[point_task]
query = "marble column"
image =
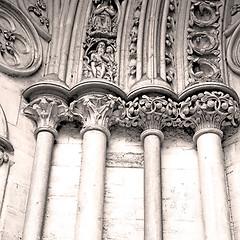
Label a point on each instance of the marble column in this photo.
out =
(207, 112)
(94, 111)
(5, 165)
(152, 113)
(213, 184)
(152, 139)
(47, 112)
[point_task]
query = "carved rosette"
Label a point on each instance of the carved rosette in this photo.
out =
(147, 112)
(47, 112)
(211, 110)
(97, 110)
(203, 44)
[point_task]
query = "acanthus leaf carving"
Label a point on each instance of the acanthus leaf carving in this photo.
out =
(209, 110)
(97, 109)
(47, 112)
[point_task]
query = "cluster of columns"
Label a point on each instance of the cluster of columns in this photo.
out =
(152, 114)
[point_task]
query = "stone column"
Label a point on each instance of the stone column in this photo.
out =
(47, 112)
(4, 172)
(207, 113)
(94, 111)
(152, 114)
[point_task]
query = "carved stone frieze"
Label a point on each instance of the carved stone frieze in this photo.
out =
(20, 47)
(209, 110)
(149, 112)
(169, 41)
(97, 109)
(47, 112)
(100, 44)
(203, 42)
(133, 40)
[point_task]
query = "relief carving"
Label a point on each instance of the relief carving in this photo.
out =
(209, 110)
(96, 109)
(37, 12)
(4, 158)
(149, 112)
(38, 9)
(133, 40)
(169, 41)
(233, 50)
(100, 45)
(20, 48)
(47, 112)
(203, 44)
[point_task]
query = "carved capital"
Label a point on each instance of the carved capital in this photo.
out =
(47, 112)
(150, 112)
(96, 110)
(4, 158)
(212, 110)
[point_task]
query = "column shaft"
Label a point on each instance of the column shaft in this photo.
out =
(152, 188)
(4, 172)
(91, 187)
(38, 188)
(213, 187)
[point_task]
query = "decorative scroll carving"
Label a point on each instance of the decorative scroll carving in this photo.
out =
(36, 10)
(149, 112)
(133, 40)
(235, 9)
(97, 109)
(203, 43)
(233, 49)
(209, 110)
(47, 112)
(20, 48)
(100, 45)
(169, 52)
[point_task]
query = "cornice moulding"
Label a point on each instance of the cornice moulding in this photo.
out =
(55, 87)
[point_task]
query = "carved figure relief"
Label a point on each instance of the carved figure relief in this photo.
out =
(20, 48)
(100, 45)
(203, 43)
(133, 40)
